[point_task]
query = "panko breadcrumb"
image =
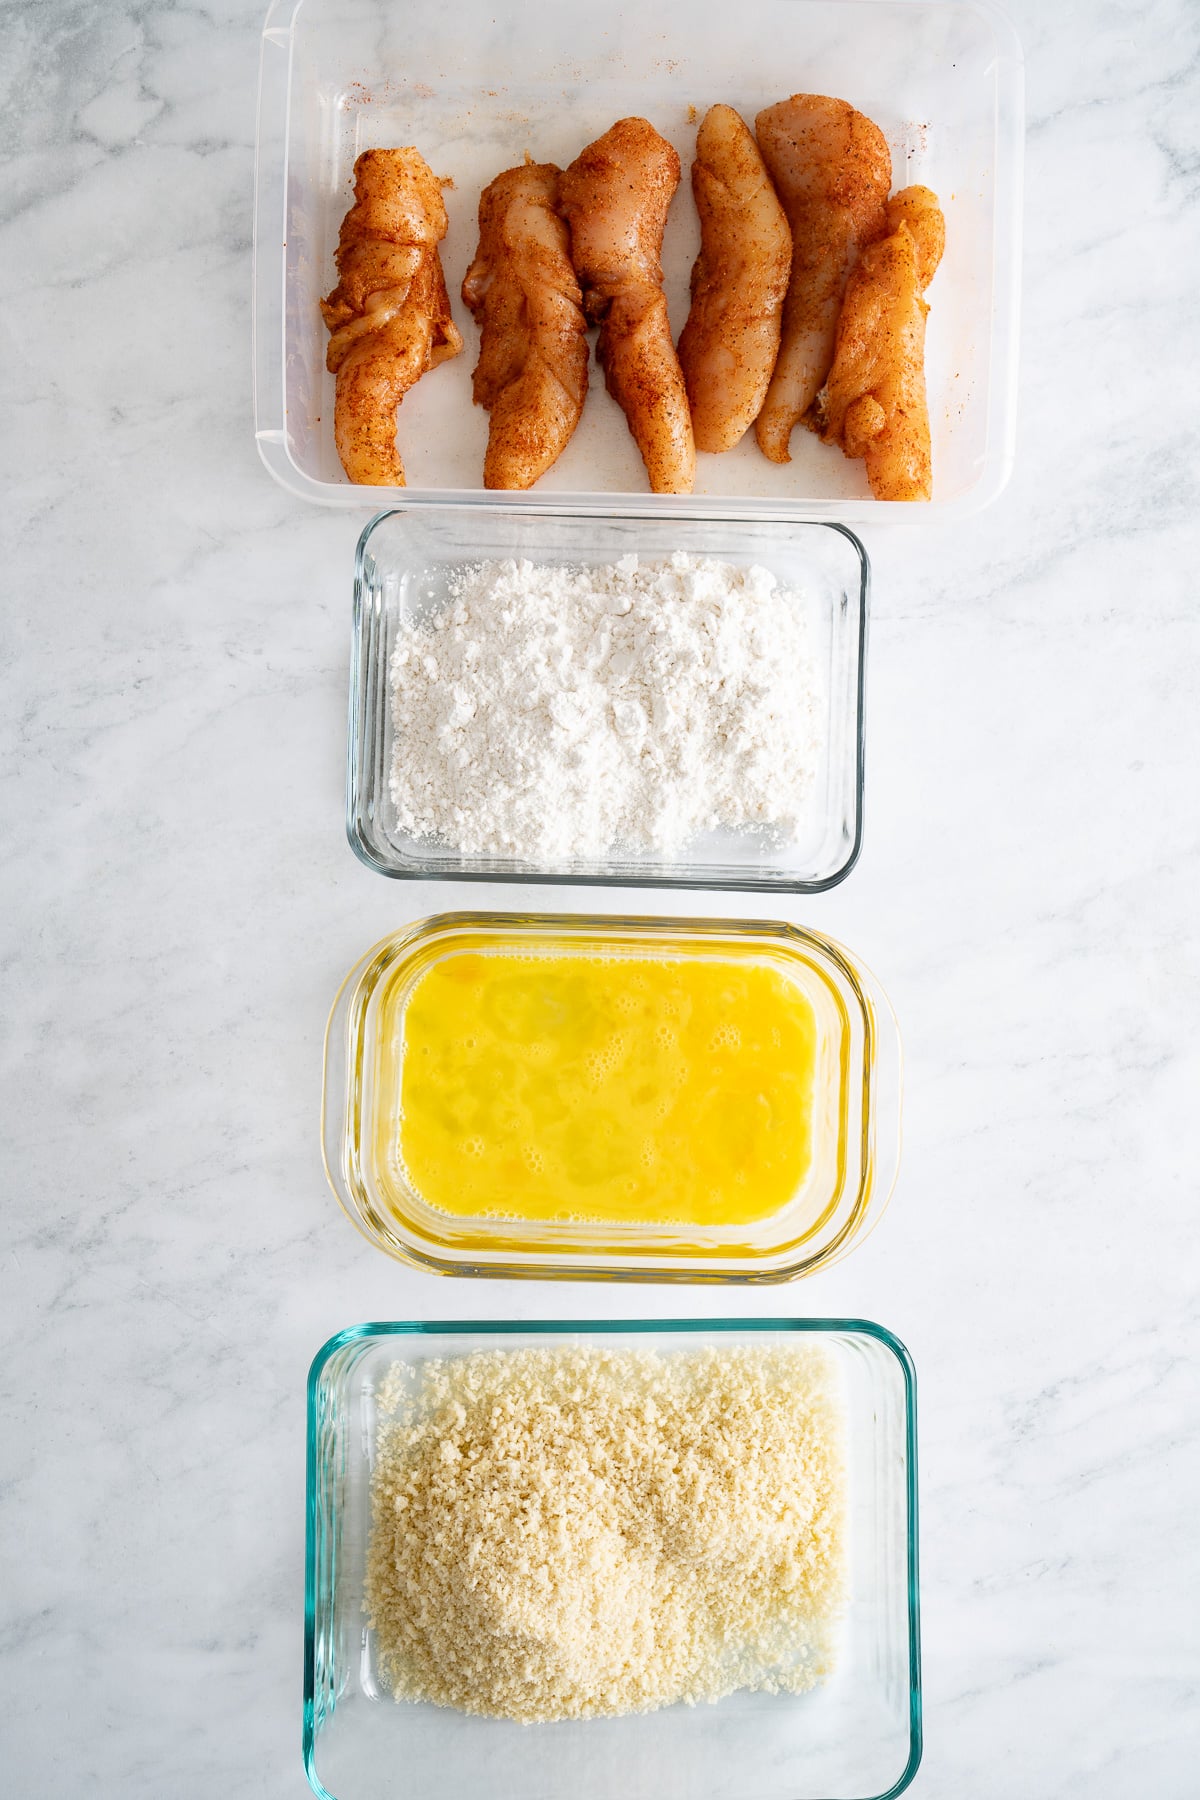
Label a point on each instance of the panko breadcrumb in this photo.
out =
(570, 1533)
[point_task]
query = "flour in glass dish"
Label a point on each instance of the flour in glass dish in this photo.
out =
(556, 713)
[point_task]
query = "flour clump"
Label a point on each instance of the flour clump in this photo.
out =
(555, 713)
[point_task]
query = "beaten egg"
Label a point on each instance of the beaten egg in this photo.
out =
(583, 1086)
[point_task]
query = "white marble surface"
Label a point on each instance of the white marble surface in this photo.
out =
(179, 906)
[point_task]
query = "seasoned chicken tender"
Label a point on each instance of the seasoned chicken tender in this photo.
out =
(832, 169)
(731, 339)
(532, 371)
(874, 402)
(918, 208)
(389, 313)
(615, 197)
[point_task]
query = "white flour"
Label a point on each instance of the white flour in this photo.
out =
(554, 713)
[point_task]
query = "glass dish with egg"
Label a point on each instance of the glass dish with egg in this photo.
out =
(570, 1096)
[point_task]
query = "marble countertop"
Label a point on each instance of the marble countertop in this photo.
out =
(179, 906)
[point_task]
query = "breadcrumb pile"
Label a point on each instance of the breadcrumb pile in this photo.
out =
(571, 1533)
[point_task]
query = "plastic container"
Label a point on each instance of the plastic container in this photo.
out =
(857, 1737)
(474, 87)
(403, 561)
(853, 1109)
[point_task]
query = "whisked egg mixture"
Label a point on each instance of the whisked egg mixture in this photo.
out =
(628, 1089)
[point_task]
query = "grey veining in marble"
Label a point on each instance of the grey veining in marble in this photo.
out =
(178, 906)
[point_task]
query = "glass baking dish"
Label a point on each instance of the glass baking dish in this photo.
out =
(475, 86)
(404, 560)
(856, 1737)
(852, 1119)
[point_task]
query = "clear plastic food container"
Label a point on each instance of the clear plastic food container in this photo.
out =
(474, 87)
(404, 560)
(857, 1736)
(777, 1096)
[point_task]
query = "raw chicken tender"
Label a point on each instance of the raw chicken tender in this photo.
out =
(919, 210)
(532, 372)
(731, 339)
(832, 169)
(874, 402)
(615, 197)
(389, 313)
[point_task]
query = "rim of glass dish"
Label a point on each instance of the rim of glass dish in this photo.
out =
(861, 980)
(570, 878)
(385, 1328)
